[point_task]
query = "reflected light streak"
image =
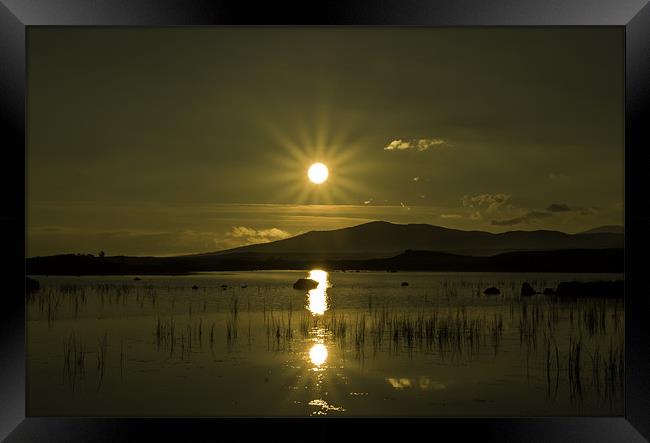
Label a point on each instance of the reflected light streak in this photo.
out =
(317, 297)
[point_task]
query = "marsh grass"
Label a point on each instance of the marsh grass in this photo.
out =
(122, 359)
(574, 345)
(279, 332)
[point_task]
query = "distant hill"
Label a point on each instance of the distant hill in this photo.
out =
(609, 229)
(375, 245)
(383, 239)
(572, 260)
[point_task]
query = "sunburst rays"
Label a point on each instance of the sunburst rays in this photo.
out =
(295, 147)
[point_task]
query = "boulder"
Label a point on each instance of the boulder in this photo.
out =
(305, 284)
(492, 291)
(527, 290)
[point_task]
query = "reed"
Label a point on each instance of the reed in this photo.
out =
(122, 359)
(563, 341)
(102, 349)
(74, 359)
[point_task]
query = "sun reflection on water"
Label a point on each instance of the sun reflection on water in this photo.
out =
(317, 304)
(317, 297)
(318, 354)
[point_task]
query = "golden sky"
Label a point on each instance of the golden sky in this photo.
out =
(163, 141)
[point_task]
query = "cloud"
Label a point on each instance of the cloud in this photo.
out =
(558, 207)
(484, 199)
(420, 144)
(561, 207)
(492, 201)
(526, 218)
(248, 235)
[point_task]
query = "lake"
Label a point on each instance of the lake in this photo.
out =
(360, 344)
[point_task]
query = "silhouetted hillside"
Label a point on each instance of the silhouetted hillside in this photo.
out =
(375, 245)
(573, 260)
(383, 239)
(579, 260)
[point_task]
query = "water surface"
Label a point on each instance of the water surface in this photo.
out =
(361, 343)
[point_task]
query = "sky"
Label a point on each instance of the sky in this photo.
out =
(164, 141)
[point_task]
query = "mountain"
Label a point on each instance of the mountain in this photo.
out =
(375, 245)
(383, 239)
(609, 229)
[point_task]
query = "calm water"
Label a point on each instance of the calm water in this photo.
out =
(248, 344)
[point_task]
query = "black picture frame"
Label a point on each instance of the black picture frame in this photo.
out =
(633, 15)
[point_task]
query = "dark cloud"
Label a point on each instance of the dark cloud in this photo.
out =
(558, 207)
(526, 218)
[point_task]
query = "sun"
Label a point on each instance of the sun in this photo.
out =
(318, 173)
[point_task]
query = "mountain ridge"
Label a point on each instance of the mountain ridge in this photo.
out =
(384, 238)
(611, 229)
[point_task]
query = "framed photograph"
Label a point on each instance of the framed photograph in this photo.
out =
(428, 213)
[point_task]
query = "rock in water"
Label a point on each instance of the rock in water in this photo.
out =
(527, 289)
(405, 283)
(137, 279)
(549, 291)
(195, 287)
(492, 291)
(31, 285)
(305, 284)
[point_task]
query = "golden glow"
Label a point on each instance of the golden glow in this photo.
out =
(317, 297)
(318, 354)
(425, 383)
(318, 173)
(314, 137)
(399, 383)
(324, 407)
